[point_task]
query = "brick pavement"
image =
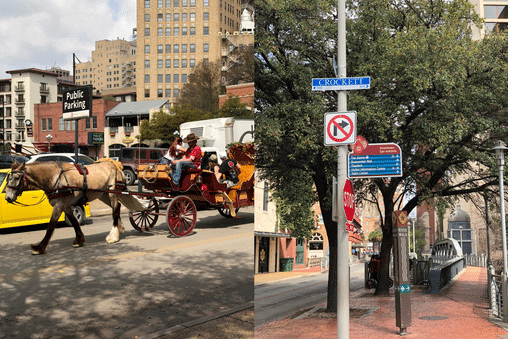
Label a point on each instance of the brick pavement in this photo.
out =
(459, 311)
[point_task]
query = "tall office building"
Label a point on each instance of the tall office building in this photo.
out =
(113, 66)
(495, 13)
(176, 35)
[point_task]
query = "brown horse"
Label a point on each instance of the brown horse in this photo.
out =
(65, 185)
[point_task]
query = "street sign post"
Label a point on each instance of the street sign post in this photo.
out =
(401, 271)
(340, 84)
(376, 160)
(340, 128)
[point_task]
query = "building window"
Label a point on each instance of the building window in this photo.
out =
(168, 48)
(193, 31)
(160, 3)
(193, 3)
(176, 17)
(184, 30)
(193, 17)
(206, 16)
(168, 93)
(50, 124)
(205, 3)
(184, 63)
(168, 78)
(316, 243)
(184, 78)
(176, 48)
(160, 31)
(168, 3)
(160, 63)
(184, 3)
(43, 124)
(168, 63)
(184, 48)
(147, 63)
(160, 17)
(147, 93)
(168, 31)
(205, 48)
(176, 78)
(205, 30)
(147, 3)
(147, 78)
(147, 31)
(184, 16)
(147, 49)
(176, 3)
(176, 31)
(160, 49)
(147, 17)
(176, 93)
(160, 78)
(61, 126)
(265, 197)
(193, 48)
(159, 93)
(192, 63)
(176, 63)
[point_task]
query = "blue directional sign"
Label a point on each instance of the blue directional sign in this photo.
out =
(340, 84)
(377, 160)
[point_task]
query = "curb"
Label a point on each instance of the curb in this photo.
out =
(199, 321)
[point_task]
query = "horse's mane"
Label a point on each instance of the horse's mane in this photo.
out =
(117, 163)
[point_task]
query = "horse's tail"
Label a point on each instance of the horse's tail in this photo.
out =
(131, 202)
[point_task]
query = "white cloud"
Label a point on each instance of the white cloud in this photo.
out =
(44, 33)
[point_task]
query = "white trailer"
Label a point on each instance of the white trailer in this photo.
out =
(220, 132)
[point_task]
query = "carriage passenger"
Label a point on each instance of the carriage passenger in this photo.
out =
(175, 151)
(229, 168)
(191, 158)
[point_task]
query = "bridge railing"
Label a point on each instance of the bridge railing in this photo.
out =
(495, 294)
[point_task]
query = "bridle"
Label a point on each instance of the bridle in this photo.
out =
(23, 180)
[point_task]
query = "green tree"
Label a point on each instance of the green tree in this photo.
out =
(376, 236)
(234, 108)
(436, 93)
(163, 125)
(203, 87)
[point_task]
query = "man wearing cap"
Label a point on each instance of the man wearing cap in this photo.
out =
(191, 158)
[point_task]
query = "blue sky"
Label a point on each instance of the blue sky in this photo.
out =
(45, 33)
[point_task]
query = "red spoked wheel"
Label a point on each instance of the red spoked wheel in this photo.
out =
(144, 221)
(181, 215)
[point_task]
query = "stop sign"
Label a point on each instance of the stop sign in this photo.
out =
(348, 200)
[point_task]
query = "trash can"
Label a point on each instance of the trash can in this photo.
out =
(286, 264)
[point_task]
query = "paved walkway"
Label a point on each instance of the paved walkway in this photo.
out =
(459, 311)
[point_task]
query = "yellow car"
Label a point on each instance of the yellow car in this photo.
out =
(38, 210)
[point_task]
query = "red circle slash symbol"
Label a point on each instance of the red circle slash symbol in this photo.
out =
(338, 129)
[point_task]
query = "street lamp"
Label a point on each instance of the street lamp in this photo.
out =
(461, 247)
(499, 149)
(49, 138)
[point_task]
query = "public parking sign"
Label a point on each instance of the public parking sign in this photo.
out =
(77, 102)
(340, 128)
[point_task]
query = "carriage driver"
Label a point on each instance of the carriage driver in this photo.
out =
(191, 158)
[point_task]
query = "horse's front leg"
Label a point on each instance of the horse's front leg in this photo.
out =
(80, 237)
(41, 247)
(114, 235)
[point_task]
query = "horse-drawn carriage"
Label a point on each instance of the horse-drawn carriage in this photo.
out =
(199, 188)
(66, 184)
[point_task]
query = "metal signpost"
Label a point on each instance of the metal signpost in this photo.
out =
(340, 132)
(401, 265)
(77, 104)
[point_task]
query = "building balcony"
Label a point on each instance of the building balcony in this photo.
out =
(19, 113)
(44, 90)
(19, 88)
(20, 101)
(20, 126)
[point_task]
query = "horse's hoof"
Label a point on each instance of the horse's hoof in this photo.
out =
(36, 253)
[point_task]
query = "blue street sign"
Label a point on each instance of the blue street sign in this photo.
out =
(377, 160)
(340, 84)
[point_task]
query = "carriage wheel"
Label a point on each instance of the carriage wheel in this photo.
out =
(226, 212)
(145, 220)
(181, 216)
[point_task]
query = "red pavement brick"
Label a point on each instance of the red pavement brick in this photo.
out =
(460, 311)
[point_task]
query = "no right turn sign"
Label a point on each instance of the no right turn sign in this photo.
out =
(340, 128)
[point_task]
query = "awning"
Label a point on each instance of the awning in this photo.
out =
(272, 235)
(357, 246)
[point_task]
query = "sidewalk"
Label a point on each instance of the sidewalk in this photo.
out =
(459, 311)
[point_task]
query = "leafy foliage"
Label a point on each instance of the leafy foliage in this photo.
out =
(203, 88)
(234, 108)
(434, 91)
